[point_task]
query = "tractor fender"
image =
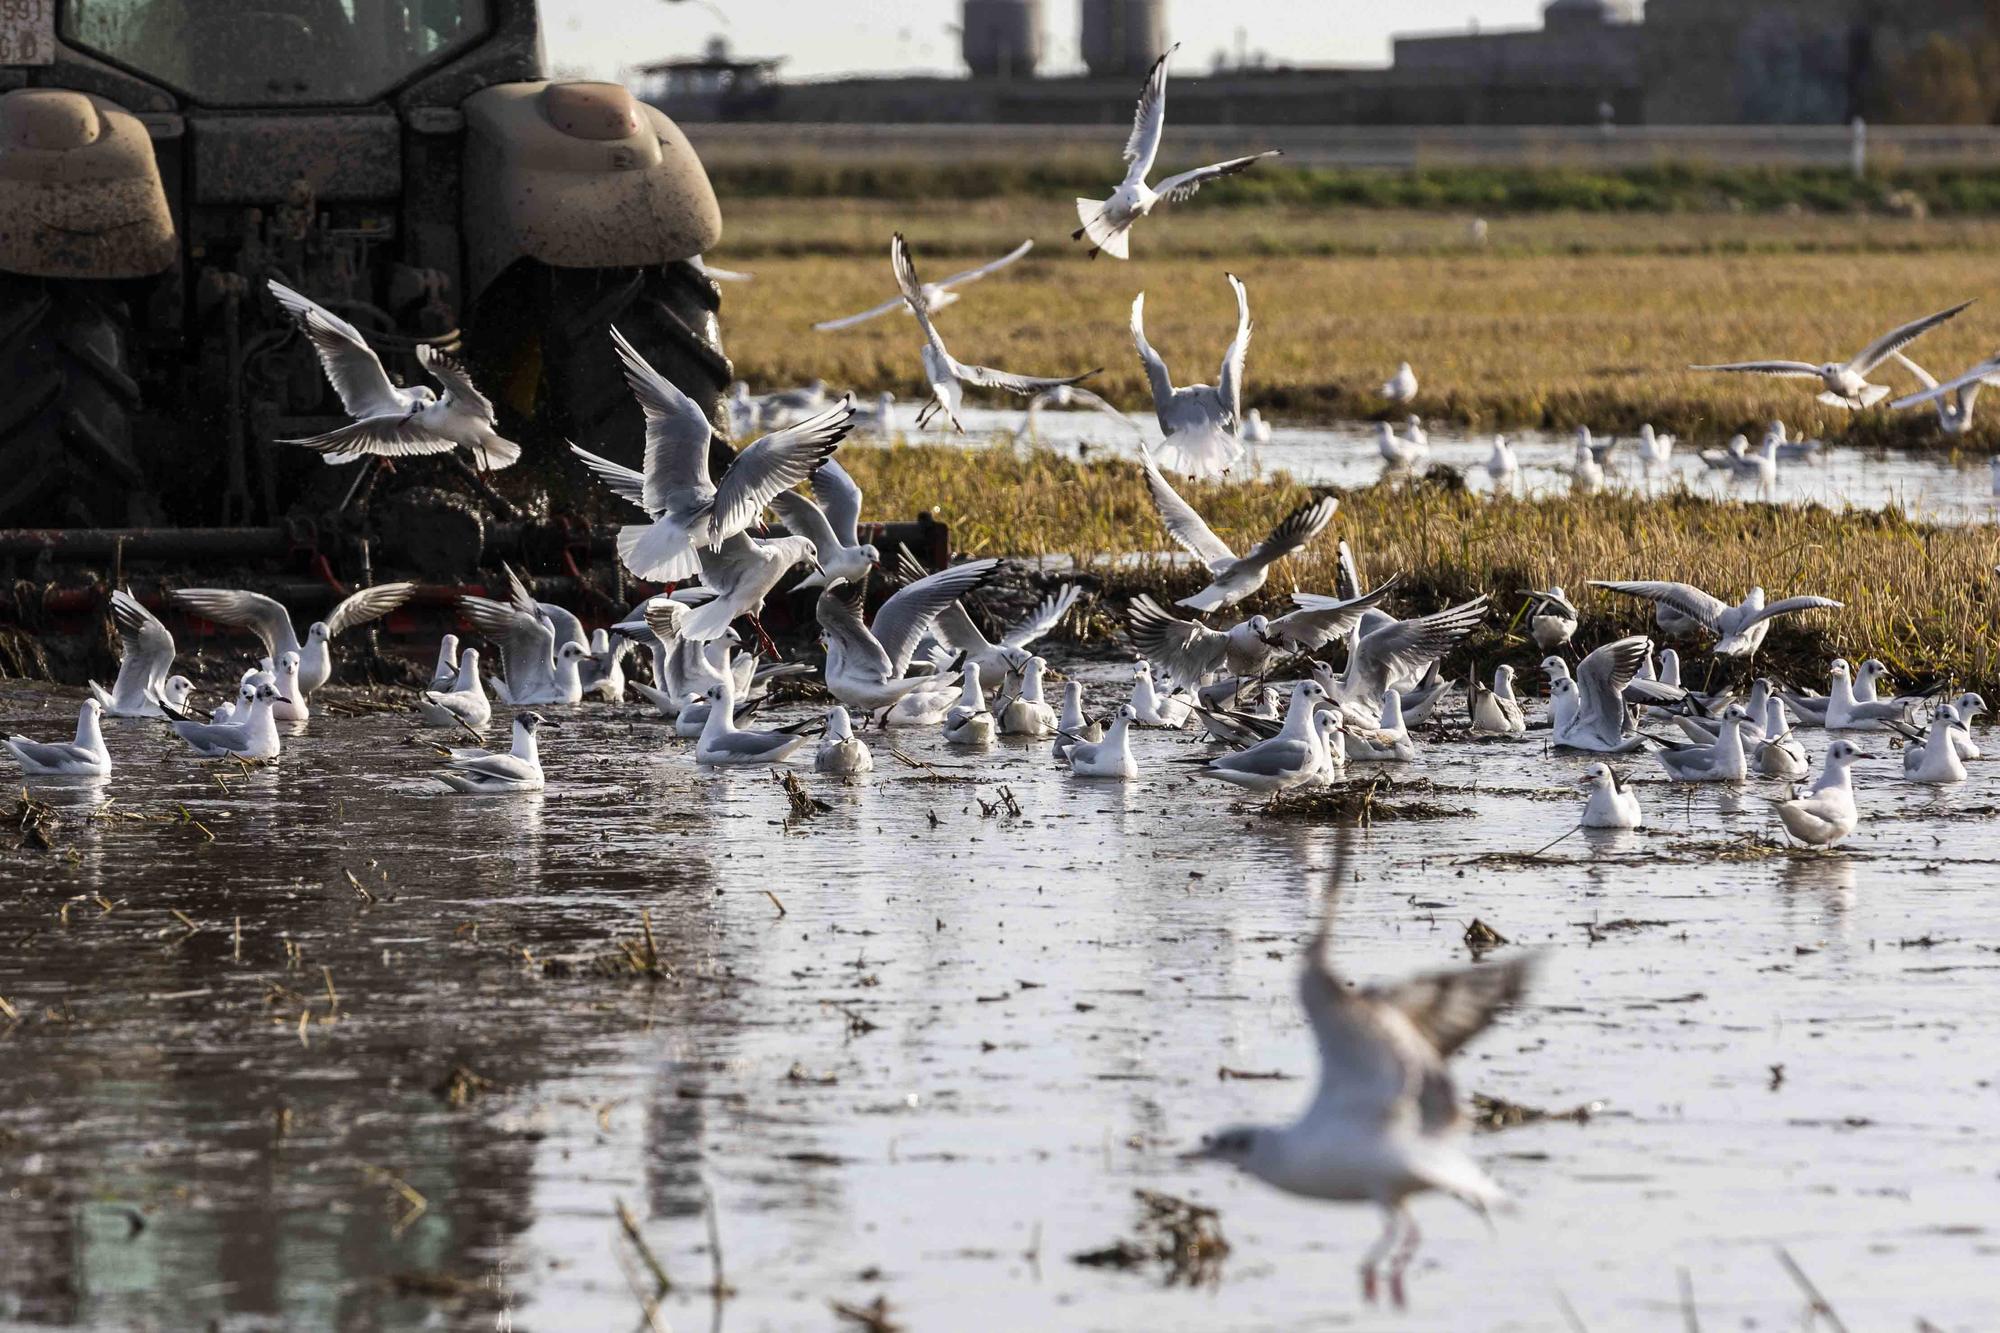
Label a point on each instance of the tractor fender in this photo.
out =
(80, 193)
(579, 175)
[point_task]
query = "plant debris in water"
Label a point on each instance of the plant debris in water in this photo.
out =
(1360, 802)
(1496, 1113)
(1479, 937)
(33, 824)
(1184, 1239)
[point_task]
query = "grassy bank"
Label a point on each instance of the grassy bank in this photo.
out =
(1924, 599)
(1557, 321)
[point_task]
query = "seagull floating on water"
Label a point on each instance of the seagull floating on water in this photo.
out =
(970, 721)
(1611, 803)
(1110, 757)
(480, 772)
(85, 757)
(464, 704)
(841, 753)
(252, 733)
(1826, 814)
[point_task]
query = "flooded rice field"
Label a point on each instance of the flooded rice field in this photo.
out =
(320, 1046)
(1935, 487)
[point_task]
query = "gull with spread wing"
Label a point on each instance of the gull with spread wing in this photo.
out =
(1587, 712)
(1385, 1122)
(947, 375)
(1202, 423)
(1739, 630)
(1232, 577)
(832, 519)
(691, 511)
(390, 422)
(1188, 652)
(1845, 383)
(1955, 400)
(272, 624)
(937, 295)
(146, 655)
(538, 662)
(1108, 222)
(868, 666)
(1384, 653)
(957, 633)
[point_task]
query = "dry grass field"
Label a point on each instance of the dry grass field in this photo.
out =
(1924, 599)
(1558, 320)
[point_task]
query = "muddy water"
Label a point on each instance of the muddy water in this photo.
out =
(1938, 487)
(940, 1062)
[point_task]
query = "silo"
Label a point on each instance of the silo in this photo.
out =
(1122, 37)
(1003, 38)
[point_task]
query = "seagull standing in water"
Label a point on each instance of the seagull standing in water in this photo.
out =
(1845, 383)
(1202, 423)
(272, 624)
(937, 295)
(146, 654)
(84, 757)
(390, 422)
(1385, 1123)
(947, 375)
(1108, 222)
(1396, 451)
(1232, 577)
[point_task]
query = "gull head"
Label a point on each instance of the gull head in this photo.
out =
(572, 652)
(178, 688)
(1947, 714)
(1555, 668)
(318, 633)
(1597, 776)
(1840, 670)
(93, 707)
(1142, 670)
(531, 722)
(288, 664)
(1564, 688)
(1128, 713)
(266, 690)
(873, 556)
(1504, 672)
(1844, 753)
(839, 727)
(1969, 705)
(1312, 689)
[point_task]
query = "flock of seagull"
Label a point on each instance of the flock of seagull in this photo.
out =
(1263, 691)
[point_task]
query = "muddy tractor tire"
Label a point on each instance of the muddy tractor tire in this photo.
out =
(66, 455)
(550, 328)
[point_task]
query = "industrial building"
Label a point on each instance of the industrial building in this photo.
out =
(1674, 62)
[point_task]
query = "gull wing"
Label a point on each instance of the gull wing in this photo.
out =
(1540, 597)
(803, 518)
(1229, 380)
(1407, 647)
(1176, 188)
(1182, 523)
(145, 644)
(527, 642)
(1444, 1010)
(677, 433)
(1924, 377)
(913, 293)
(1044, 618)
(246, 610)
(1682, 597)
(1368, 1069)
(1785, 606)
(1185, 650)
(986, 377)
(1293, 531)
(1977, 375)
(366, 605)
(839, 614)
(397, 436)
(622, 481)
(840, 499)
(1149, 120)
(663, 617)
(1156, 369)
(350, 364)
(1315, 627)
(1784, 369)
(956, 630)
(993, 266)
(849, 321)
(913, 609)
(446, 370)
(502, 767)
(778, 462)
(1895, 340)
(1601, 679)
(1348, 581)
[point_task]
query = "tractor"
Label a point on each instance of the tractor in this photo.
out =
(405, 163)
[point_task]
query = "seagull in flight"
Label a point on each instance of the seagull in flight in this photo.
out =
(1955, 400)
(937, 295)
(1108, 222)
(692, 511)
(272, 624)
(1385, 1122)
(945, 374)
(391, 422)
(868, 666)
(831, 519)
(1739, 629)
(1203, 423)
(1845, 383)
(1232, 577)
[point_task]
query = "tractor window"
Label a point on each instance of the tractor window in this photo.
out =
(275, 52)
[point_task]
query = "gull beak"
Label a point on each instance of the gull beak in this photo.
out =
(552, 724)
(1205, 1153)
(1860, 754)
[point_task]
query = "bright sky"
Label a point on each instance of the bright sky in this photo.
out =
(600, 37)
